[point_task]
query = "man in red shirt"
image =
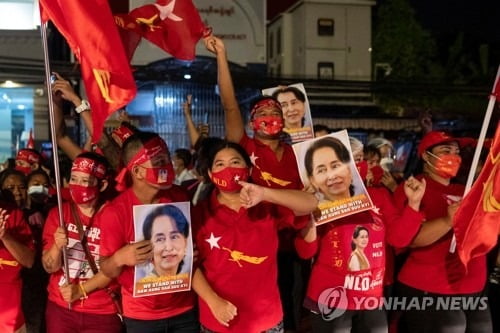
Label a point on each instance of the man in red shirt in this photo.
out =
(430, 269)
(274, 166)
(150, 174)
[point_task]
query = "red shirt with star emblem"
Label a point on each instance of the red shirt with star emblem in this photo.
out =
(341, 267)
(117, 230)
(238, 255)
(267, 170)
(433, 268)
(11, 315)
(99, 301)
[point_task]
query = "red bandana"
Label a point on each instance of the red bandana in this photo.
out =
(265, 103)
(28, 156)
(90, 167)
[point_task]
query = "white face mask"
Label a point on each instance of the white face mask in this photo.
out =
(38, 189)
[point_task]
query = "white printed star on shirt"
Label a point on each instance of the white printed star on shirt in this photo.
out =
(213, 241)
(253, 158)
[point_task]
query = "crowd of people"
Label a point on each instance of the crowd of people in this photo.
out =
(260, 263)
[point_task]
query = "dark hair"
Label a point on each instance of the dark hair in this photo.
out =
(11, 172)
(171, 211)
(330, 142)
(134, 143)
(371, 151)
(294, 90)
(320, 127)
(35, 173)
(207, 156)
(185, 156)
(356, 233)
(110, 149)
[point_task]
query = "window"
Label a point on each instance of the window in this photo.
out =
(326, 27)
(19, 15)
(325, 70)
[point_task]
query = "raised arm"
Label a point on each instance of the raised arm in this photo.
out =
(191, 128)
(62, 90)
(235, 127)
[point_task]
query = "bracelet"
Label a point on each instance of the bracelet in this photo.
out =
(84, 293)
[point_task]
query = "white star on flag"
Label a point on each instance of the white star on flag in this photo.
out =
(167, 11)
(376, 210)
(253, 158)
(213, 241)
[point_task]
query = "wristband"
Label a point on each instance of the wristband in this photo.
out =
(85, 106)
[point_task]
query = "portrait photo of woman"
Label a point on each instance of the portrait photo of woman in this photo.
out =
(358, 260)
(328, 170)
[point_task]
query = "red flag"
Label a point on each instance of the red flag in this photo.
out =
(91, 32)
(31, 141)
(174, 26)
(477, 221)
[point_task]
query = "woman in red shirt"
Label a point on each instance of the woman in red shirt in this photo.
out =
(237, 237)
(92, 308)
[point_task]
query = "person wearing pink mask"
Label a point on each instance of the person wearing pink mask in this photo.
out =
(147, 178)
(92, 307)
(273, 166)
(237, 237)
(431, 271)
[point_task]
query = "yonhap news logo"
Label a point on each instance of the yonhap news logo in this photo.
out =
(333, 302)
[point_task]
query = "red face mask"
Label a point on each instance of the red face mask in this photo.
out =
(377, 173)
(272, 124)
(227, 179)
(446, 166)
(162, 176)
(83, 194)
(25, 170)
(362, 169)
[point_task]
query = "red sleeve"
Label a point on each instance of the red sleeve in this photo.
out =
(51, 224)
(399, 197)
(287, 219)
(401, 225)
(112, 231)
(304, 249)
(19, 229)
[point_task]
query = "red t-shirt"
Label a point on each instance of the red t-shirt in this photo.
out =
(11, 315)
(238, 255)
(339, 262)
(99, 301)
(433, 268)
(117, 227)
(268, 171)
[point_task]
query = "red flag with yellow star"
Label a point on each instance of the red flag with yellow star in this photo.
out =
(91, 32)
(477, 221)
(174, 26)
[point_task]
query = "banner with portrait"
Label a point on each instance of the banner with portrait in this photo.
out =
(296, 111)
(327, 169)
(168, 226)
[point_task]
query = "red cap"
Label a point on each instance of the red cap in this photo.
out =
(434, 138)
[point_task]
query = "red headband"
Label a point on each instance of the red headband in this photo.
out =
(150, 149)
(123, 133)
(89, 166)
(265, 103)
(28, 156)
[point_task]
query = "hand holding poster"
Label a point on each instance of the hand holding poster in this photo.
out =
(327, 168)
(296, 111)
(169, 229)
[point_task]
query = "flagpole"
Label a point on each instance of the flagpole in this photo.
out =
(479, 147)
(57, 175)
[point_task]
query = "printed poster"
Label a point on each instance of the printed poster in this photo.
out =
(168, 226)
(296, 111)
(327, 169)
